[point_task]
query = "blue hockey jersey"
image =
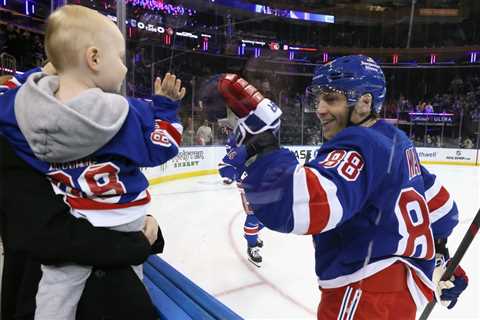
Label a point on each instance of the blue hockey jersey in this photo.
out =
(228, 172)
(99, 176)
(17, 80)
(443, 209)
(363, 200)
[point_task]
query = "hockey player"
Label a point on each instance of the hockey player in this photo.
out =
(362, 198)
(88, 140)
(252, 226)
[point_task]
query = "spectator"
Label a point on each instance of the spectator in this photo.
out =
(13, 41)
(38, 51)
(188, 133)
(468, 144)
(204, 134)
(428, 108)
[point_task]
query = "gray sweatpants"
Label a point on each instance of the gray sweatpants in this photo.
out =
(61, 287)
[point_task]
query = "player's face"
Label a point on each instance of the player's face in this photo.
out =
(332, 110)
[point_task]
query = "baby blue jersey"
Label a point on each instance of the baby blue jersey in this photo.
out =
(110, 179)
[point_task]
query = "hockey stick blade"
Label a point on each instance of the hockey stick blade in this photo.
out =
(455, 261)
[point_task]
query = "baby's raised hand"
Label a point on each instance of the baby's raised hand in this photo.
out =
(169, 87)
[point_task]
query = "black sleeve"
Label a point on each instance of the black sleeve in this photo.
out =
(115, 294)
(37, 221)
(157, 246)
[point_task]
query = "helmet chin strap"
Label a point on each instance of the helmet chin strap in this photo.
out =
(350, 123)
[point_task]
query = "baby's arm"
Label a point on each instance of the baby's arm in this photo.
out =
(152, 133)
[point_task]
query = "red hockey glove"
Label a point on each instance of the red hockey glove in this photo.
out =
(256, 113)
(240, 96)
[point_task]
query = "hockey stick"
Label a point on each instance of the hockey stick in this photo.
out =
(462, 248)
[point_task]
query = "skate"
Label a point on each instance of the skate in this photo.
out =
(254, 256)
(260, 243)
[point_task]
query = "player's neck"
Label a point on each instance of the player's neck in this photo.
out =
(370, 122)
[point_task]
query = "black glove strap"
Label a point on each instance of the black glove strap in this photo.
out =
(261, 144)
(441, 248)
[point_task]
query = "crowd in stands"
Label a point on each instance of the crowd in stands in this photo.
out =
(462, 99)
(24, 45)
(461, 96)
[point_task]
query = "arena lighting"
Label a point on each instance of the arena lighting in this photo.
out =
(167, 39)
(291, 55)
(325, 57)
(186, 34)
(140, 25)
(433, 58)
(160, 6)
(241, 50)
(284, 13)
(253, 42)
(274, 46)
(205, 44)
(304, 49)
(26, 8)
(257, 52)
(395, 59)
(473, 57)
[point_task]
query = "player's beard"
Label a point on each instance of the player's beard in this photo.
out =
(334, 125)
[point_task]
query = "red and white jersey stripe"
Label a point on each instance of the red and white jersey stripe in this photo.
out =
(316, 207)
(439, 201)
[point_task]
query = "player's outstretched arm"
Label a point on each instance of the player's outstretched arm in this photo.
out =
(258, 118)
(286, 196)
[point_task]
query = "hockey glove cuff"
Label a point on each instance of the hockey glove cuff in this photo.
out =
(448, 291)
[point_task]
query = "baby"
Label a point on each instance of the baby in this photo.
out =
(87, 139)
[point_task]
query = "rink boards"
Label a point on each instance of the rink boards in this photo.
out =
(199, 161)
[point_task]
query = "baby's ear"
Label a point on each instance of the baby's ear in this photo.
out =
(92, 58)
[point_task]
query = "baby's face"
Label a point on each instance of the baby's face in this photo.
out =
(112, 70)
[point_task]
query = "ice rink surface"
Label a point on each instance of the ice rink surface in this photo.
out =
(202, 221)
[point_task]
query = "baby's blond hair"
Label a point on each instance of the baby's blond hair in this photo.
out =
(70, 30)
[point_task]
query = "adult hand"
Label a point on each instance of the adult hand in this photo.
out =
(150, 229)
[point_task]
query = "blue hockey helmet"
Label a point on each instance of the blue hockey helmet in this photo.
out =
(352, 76)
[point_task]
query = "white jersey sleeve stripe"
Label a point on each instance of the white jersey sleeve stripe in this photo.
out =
(301, 199)
(433, 190)
(442, 211)
(315, 207)
(336, 209)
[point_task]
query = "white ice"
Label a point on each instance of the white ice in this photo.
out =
(202, 221)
